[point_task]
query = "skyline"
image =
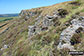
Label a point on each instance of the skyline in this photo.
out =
(15, 6)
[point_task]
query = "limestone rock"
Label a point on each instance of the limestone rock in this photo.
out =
(32, 30)
(27, 14)
(48, 21)
(67, 34)
(38, 20)
(71, 48)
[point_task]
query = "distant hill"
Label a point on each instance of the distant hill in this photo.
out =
(8, 15)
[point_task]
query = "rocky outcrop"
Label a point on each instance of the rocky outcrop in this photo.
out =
(26, 14)
(67, 34)
(33, 30)
(38, 20)
(46, 22)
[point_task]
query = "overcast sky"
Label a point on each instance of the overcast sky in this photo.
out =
(15, 6)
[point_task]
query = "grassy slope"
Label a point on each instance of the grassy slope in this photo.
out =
(39, 45)
(5, 23)
(2, 18)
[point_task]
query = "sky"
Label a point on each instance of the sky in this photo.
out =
(15, 6)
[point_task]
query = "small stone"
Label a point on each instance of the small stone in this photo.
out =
(5, 46)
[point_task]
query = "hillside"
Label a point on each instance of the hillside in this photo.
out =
(8, 15)
(45, 31)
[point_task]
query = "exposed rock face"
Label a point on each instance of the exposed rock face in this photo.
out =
(32, 30)
(26, 14)
(23, 13)
(48, 21)
(66, 34)
(35, 28)
(68, 46)
(38, 20)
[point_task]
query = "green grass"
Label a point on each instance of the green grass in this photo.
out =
(74, 7)
(6, 18)
(82, 10)
(1, 18)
